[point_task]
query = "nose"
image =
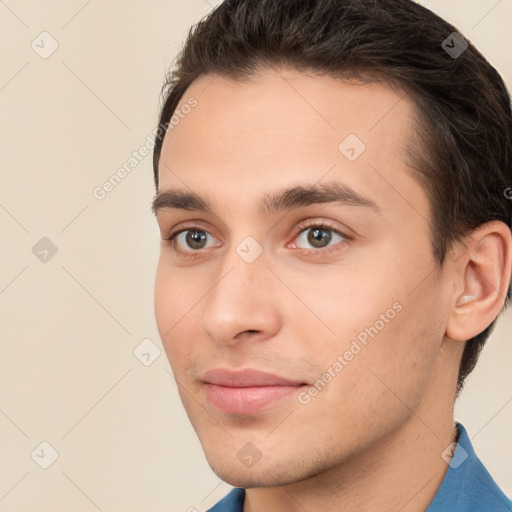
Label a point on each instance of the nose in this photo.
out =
(242, 305)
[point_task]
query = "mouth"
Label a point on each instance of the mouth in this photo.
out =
(247, 391)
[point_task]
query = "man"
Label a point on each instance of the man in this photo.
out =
(331, 193)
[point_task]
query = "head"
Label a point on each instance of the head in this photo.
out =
(368, 168)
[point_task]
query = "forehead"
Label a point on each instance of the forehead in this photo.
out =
(270, 100)
(247, 136)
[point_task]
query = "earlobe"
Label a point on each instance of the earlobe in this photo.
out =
(481, 279)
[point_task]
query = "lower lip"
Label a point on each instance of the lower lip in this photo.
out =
(246, 400)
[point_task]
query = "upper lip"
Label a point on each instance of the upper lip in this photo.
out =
(246, 378)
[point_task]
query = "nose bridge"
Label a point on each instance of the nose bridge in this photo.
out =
(238, 300)
(244, 264)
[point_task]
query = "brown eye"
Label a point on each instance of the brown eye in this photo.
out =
(195, 238)
(319, 237)
(191, 241)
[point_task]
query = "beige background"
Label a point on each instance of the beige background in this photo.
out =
(68, 375)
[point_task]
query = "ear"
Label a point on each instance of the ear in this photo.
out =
(481, 280)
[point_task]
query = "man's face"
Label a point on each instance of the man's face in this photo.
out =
(339, 301)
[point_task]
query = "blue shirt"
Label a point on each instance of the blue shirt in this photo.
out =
(467, 486)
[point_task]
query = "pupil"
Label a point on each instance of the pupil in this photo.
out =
(194, 238)
(317, 236)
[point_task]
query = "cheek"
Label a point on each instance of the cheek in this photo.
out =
(379, 380)
(342, 303)
(163, 301)
(397, 358)
(173, 304)
(175, 296)
(371, 318)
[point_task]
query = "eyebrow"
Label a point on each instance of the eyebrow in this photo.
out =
(285, 199)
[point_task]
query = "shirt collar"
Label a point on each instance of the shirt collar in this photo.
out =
(467, 486)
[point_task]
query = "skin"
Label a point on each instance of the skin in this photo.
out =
(372, 439)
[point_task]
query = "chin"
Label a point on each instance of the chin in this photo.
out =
(249, 478)
(265, 473)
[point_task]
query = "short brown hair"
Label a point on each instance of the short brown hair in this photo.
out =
(463, 153)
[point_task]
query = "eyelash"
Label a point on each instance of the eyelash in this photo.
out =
(304, 226)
